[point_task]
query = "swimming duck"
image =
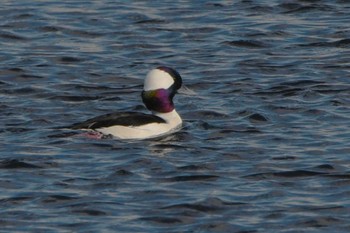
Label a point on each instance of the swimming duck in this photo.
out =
(160, 86)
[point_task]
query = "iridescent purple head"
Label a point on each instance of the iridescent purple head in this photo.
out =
(159, 89)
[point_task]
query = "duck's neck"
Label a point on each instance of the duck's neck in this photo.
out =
(160, 100)
(170, 117)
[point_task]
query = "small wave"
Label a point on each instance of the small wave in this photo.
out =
(12, 36)
(343, 43)
(162, 220)
(207, 205)
(191, 178)
(246, 43)
(17, 164)
(286, 174)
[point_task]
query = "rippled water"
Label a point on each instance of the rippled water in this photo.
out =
(265, 146)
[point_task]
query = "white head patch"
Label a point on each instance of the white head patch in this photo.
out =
(157, 79)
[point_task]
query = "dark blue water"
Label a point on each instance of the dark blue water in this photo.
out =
(266, 141)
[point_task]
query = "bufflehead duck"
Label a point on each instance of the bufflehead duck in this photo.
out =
(160, 86)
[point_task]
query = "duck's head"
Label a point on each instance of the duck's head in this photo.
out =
(161, 84)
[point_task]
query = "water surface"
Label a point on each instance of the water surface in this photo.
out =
(265, 144)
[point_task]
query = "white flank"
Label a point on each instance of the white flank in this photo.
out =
(173, 122)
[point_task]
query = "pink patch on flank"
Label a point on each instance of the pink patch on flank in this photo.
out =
(91, 135)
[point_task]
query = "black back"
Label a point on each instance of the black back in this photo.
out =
(120, 118)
